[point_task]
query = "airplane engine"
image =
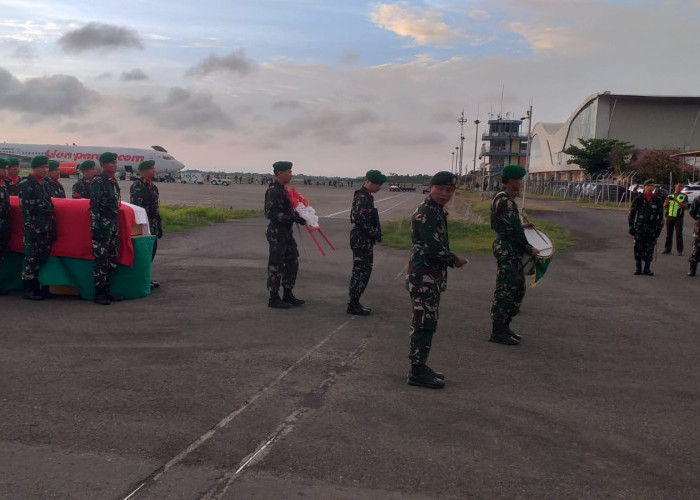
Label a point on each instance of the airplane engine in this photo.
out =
(67, 168)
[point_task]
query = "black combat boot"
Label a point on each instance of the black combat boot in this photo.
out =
(289, 298)
(101, 296)
(276, 302)
(500, 335)
(435, 374)
(31, 290)
(511, 332)
(422, 376)
(647, 270)
(111, 297)
(3, 292)
(638, 269)
(44, 290)
(354, 307)
(693, 269)
(155, 284)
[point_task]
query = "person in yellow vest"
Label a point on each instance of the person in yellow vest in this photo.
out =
(675, 205)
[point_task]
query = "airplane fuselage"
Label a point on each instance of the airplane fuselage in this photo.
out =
(128, 159)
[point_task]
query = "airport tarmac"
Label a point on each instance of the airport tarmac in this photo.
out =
(201, 391)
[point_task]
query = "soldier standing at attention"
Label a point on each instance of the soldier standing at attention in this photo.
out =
(52, 185)
(695, 254)
(509, 247)
(674, 207)
(38, 224)
(363, 236)
(427, 276)
(646, 220)
(104, 223)
(12, 181)
(81, 188)
(145, 194)
(283, 263)
(4, 215)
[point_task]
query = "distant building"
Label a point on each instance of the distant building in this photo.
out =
(506, 144)
(646, 122)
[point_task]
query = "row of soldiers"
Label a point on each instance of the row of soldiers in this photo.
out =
(39, 226)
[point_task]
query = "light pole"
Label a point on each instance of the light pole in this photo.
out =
(461, 122)
(452, 165)
(529, 146)
(476, 139)
(456, 153)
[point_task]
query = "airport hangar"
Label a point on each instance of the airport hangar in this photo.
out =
(666, 123)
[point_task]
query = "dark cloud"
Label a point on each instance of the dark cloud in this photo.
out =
(48, 95)
(287, 104)
(134, 75)
(96, 36)
(329, 125)
(23, 52)
(186, 110)
(236, 62)
(104, 76)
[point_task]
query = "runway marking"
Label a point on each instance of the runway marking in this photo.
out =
(158, 473)
(378, 201)
(287, 426)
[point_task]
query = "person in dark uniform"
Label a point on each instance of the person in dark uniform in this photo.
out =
(12, 181)
(646, 220)
(509, 246)
(695, 254)
(366, 232)
(144, 193)
(105, 197)
(52, 185)
(674, 207)
(39, 226)
(283, 263)
(427, 276)
(81, 188)
(4, 215)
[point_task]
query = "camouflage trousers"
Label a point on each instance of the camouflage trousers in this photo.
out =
(4, 239)
(362, 261)
(283, 264)
(510, 289)
(426, 306)
(695, 254)
(105, 251)
(36, 253)
(644, 244)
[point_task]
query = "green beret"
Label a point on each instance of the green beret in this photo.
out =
(108, 157)
(12, 161)
(376, 177)
(87, 165)
(145, 165)
(39, 161)
(281, 166)
(513, 172)
(649, 181)
(53, 165)
(444, 178)
(3, 163)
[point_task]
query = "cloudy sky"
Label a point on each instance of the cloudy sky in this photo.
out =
(336, 86)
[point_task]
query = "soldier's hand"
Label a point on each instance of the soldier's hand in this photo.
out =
(378, 238)
(299, 220)
(632, 232)
(460, 261)
(534, 252)
(528, 225)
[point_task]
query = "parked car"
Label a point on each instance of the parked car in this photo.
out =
(691, 191)
(220, 182)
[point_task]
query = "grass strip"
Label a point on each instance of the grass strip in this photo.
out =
(177, 218)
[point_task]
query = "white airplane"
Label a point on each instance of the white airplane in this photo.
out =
(70, 156)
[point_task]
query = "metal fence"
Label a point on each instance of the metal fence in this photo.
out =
(601, 190)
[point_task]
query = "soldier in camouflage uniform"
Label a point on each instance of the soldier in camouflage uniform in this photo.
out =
(39, 226)
(427, 276)
(105, 197)
(52, 186)
(646, 220)
(4, 215)
(12, 181)
(363, 236)
(81, 188)
(695, 253)
(283, 263)
(508, 248)
(145, 194)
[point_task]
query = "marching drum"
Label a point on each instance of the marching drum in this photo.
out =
(541, 242)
